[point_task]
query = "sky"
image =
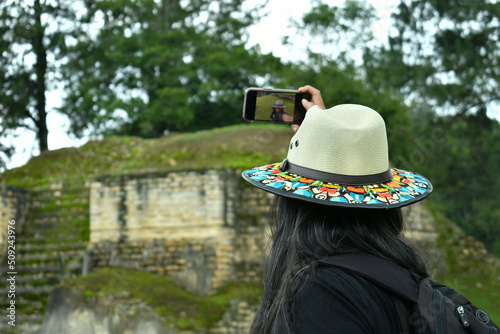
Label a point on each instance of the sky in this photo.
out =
(279, 23)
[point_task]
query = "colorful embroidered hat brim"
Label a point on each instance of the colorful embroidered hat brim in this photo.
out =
(404, 188)
(339, 156)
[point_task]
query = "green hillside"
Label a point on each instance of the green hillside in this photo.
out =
(470, 268)
(472, 271)
(239, 146)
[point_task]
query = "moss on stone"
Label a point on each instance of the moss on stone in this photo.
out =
(179, 307)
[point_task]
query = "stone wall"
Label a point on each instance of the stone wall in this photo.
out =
(203, 228)
(52, 230)
(14, 204)
(420, 228)
(53, 211)
(173, 205)
(181, 224)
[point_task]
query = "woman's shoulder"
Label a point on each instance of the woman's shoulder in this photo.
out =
(333, 298)
(326, 274)
(334, 281)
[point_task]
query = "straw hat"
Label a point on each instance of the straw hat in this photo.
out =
(339, 156)
(279, 104)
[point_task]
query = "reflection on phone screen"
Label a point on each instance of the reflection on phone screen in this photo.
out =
(275, 107)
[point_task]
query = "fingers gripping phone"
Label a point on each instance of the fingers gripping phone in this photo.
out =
(274, 105)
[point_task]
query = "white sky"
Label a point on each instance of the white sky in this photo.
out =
(268, 34)
(270, 30)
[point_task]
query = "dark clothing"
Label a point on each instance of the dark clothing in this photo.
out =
(277, 116)
(334, 301)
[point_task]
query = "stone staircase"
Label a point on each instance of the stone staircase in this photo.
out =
(49, 249)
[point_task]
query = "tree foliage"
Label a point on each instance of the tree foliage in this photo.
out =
(460, 155)
(441, 55)
(33, 37)
(339, 86)
(165, 65)
(445, 56)
(338, 34)
(445, 53)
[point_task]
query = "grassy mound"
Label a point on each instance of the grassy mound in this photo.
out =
(240, 146)
(472, 271)
(176, 305)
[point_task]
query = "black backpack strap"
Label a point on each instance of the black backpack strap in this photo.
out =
(380, 271)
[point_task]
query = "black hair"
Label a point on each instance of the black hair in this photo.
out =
(304, 232)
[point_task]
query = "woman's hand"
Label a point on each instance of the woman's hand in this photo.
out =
(315, 100)
(316, 97)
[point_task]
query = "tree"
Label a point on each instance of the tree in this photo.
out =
(338, 34)
(440, 55)
(339, 86)
(157, 66)
(33, 36)
(444, 53)
(459, 154)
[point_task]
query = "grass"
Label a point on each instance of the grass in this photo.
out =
(472, 271)
(183, 309)
(240, 146)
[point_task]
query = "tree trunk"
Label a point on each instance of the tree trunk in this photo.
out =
(40, 84)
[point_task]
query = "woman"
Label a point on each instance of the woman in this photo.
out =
(336, 193)
(278, 114)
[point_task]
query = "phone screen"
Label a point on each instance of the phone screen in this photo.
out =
(274, 106)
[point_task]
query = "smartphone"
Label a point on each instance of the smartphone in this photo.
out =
(274, 105)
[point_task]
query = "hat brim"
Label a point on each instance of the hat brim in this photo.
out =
(403, 189)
